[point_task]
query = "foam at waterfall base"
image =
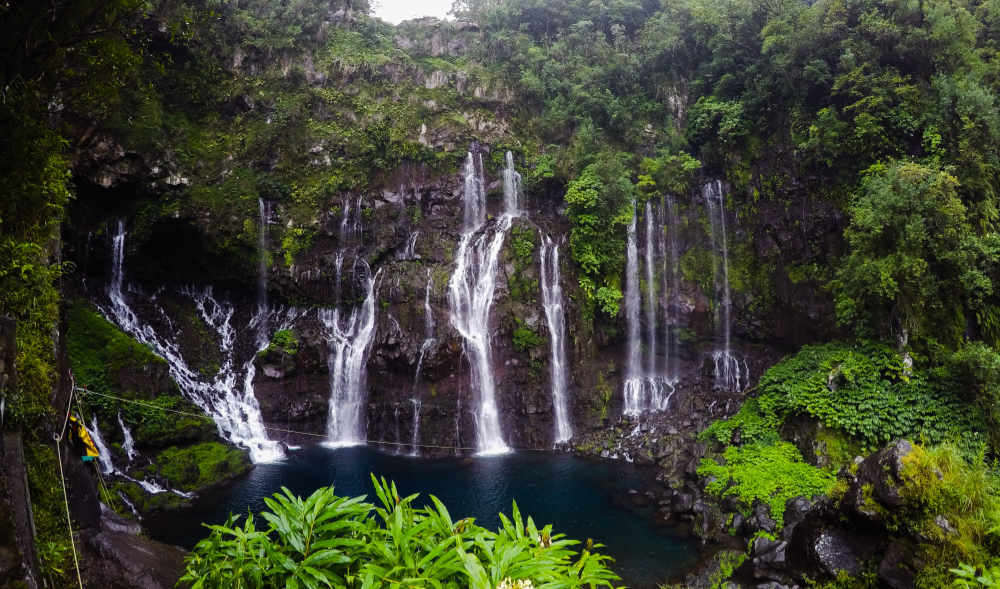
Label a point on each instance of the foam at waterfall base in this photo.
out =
(648, 394)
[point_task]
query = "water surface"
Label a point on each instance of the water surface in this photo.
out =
(581, 498)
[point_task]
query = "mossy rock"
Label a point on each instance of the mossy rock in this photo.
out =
(198, 467)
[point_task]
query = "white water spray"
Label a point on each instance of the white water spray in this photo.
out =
(236, 413)
(646, 387)
(128, 443)
(470, 294)
(349, 339)
(730, 375)
(552, 302)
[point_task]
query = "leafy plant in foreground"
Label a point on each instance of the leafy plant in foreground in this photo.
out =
(337, 542)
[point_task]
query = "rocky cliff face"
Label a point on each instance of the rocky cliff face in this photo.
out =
(402, 231)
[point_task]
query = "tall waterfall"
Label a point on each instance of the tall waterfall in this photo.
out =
(648, 385)
(349, 339)
(671, 282)
(552, 301)
(470, 293)
(264, 212)
(236, 412)
(729, 374)
(424, 347)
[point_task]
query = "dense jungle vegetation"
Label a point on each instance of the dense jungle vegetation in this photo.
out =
(882, 111)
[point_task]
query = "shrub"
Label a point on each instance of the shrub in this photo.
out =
(772, 474)
(864, 390)
(331, 541)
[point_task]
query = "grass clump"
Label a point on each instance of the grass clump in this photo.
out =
(99, 351)
(283, 342)
(769, 473)
(955, 505)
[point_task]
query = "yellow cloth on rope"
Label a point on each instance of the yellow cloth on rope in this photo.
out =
(90, 450)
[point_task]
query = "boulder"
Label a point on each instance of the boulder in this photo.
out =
(898, 568)
(876, 487)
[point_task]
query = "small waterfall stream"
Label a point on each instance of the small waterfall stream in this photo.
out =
(471, 288)
(730, 375)
(552, 302)
(128, 443)
(236, 413)
(349, 339)
(427, 344)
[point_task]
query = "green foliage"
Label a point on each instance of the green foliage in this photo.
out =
(331, 541)
(99, 351)
(526, 338)
(52, 535)
(283, 342)
(769, 473)
(196, 467)
(970, 577)
(600, 209)
(954, 504)
(864, 390)
(522, 283)
(728, 561)
(914, 255)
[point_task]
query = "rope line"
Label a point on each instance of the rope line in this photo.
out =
(292, 431)
(62, 479)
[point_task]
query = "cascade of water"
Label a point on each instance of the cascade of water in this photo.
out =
(552, 302)
(415, 440)
(103, 453)
(729, 374)
(128, 443)
(511, 186)
(633, 370)
(671, 284)
(648, 387)
(428, 312)
(474, 195)
(470, 294)
(409, 250)
(349, 340)
(264, 210)
(236, 415)
(651, 301)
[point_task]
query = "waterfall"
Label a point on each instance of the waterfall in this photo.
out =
(415, 440)
(650, 385)
(552, 302)
(349, 339)
(103, 453)
(729, 374)
(236, 414)
(409, 250)
(264, 210)
(651, 302)
(671, 284)
(511, 185)
(470, 294)
(128, 445)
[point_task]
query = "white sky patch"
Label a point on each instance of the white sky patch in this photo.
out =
(395, 11)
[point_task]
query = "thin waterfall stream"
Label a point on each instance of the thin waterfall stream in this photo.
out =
(730, 375)
(552, 301)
